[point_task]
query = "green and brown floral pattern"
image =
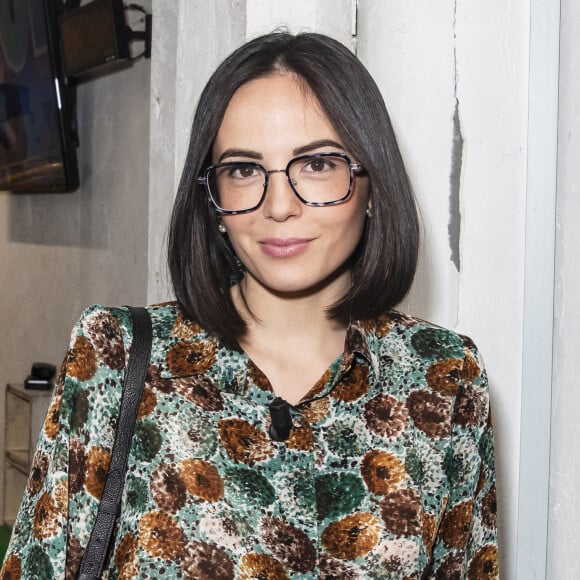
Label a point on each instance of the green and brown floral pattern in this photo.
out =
(388, 471)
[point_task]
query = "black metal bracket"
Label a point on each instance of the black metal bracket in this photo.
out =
(141, 35)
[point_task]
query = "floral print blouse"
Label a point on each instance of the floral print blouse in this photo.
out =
(388, 472)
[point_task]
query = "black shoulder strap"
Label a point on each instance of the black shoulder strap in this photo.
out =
(96, 551)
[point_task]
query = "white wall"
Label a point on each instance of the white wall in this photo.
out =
(564, 539)
(336, 18)
(395, 41)
(190, 38)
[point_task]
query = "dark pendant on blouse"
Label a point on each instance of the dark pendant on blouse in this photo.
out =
(281, 420)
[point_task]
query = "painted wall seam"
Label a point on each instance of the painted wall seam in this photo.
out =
(539, 278)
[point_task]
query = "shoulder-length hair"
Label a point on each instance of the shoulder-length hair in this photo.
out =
(202, 263)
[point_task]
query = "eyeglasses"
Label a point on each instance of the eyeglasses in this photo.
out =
(319, 180)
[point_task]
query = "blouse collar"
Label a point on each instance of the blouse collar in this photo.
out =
(190, 351)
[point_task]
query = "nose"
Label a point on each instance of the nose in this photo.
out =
(281, 203)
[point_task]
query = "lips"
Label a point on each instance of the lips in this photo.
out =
(284, 247)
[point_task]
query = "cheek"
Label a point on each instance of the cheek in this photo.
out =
(354, 222)
(236, 229)
(357, 227)
(353, 229)
(347, 232)
(361, 191)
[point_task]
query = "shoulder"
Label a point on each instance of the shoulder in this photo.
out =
(419, 340)
(105, 335)
(99, 349)
(99, 324)
(431, 368)
(117, 319)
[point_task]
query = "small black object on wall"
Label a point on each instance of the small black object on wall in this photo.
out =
(41, 377)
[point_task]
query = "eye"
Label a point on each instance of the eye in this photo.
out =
(319, 164)
(242, 171)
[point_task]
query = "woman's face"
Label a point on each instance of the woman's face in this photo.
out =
(286, 246)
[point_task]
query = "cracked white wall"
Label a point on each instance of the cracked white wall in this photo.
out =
(331, 17)
(454, 78)
(409, 49)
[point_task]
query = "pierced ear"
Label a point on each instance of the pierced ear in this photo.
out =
(370, 210)
(222, 228)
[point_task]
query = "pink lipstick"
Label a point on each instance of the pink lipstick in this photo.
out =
(284, 247)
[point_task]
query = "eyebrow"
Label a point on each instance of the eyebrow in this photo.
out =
(249, 154)
(317, 145)
(239, 153)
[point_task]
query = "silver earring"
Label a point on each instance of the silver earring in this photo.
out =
(369, 212)
(222, 228)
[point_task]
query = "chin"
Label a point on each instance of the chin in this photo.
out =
(289, 288)
(293, 288)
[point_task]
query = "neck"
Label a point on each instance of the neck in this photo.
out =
(290, 338)
(296, 312)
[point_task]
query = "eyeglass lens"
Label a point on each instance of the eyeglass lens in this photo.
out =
(240, 186)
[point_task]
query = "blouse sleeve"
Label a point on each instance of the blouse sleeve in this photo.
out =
(465, 545)
(72, 456)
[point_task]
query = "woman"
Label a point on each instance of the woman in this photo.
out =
(293, 235)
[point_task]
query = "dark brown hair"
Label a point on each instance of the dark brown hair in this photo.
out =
(201, 260)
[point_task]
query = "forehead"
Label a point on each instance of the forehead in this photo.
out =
(276, 108)
(275, 88)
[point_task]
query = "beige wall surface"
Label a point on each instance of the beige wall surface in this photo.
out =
(61, 253)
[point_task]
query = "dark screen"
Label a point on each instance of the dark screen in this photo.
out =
(31, 146)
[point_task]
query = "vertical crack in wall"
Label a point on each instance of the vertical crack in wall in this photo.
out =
(353, 25)
(454, 226)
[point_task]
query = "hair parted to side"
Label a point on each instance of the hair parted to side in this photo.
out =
(201, 260)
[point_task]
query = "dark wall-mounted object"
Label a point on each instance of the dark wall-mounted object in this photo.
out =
(95, 34)
(37, 123)
(41, 377)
